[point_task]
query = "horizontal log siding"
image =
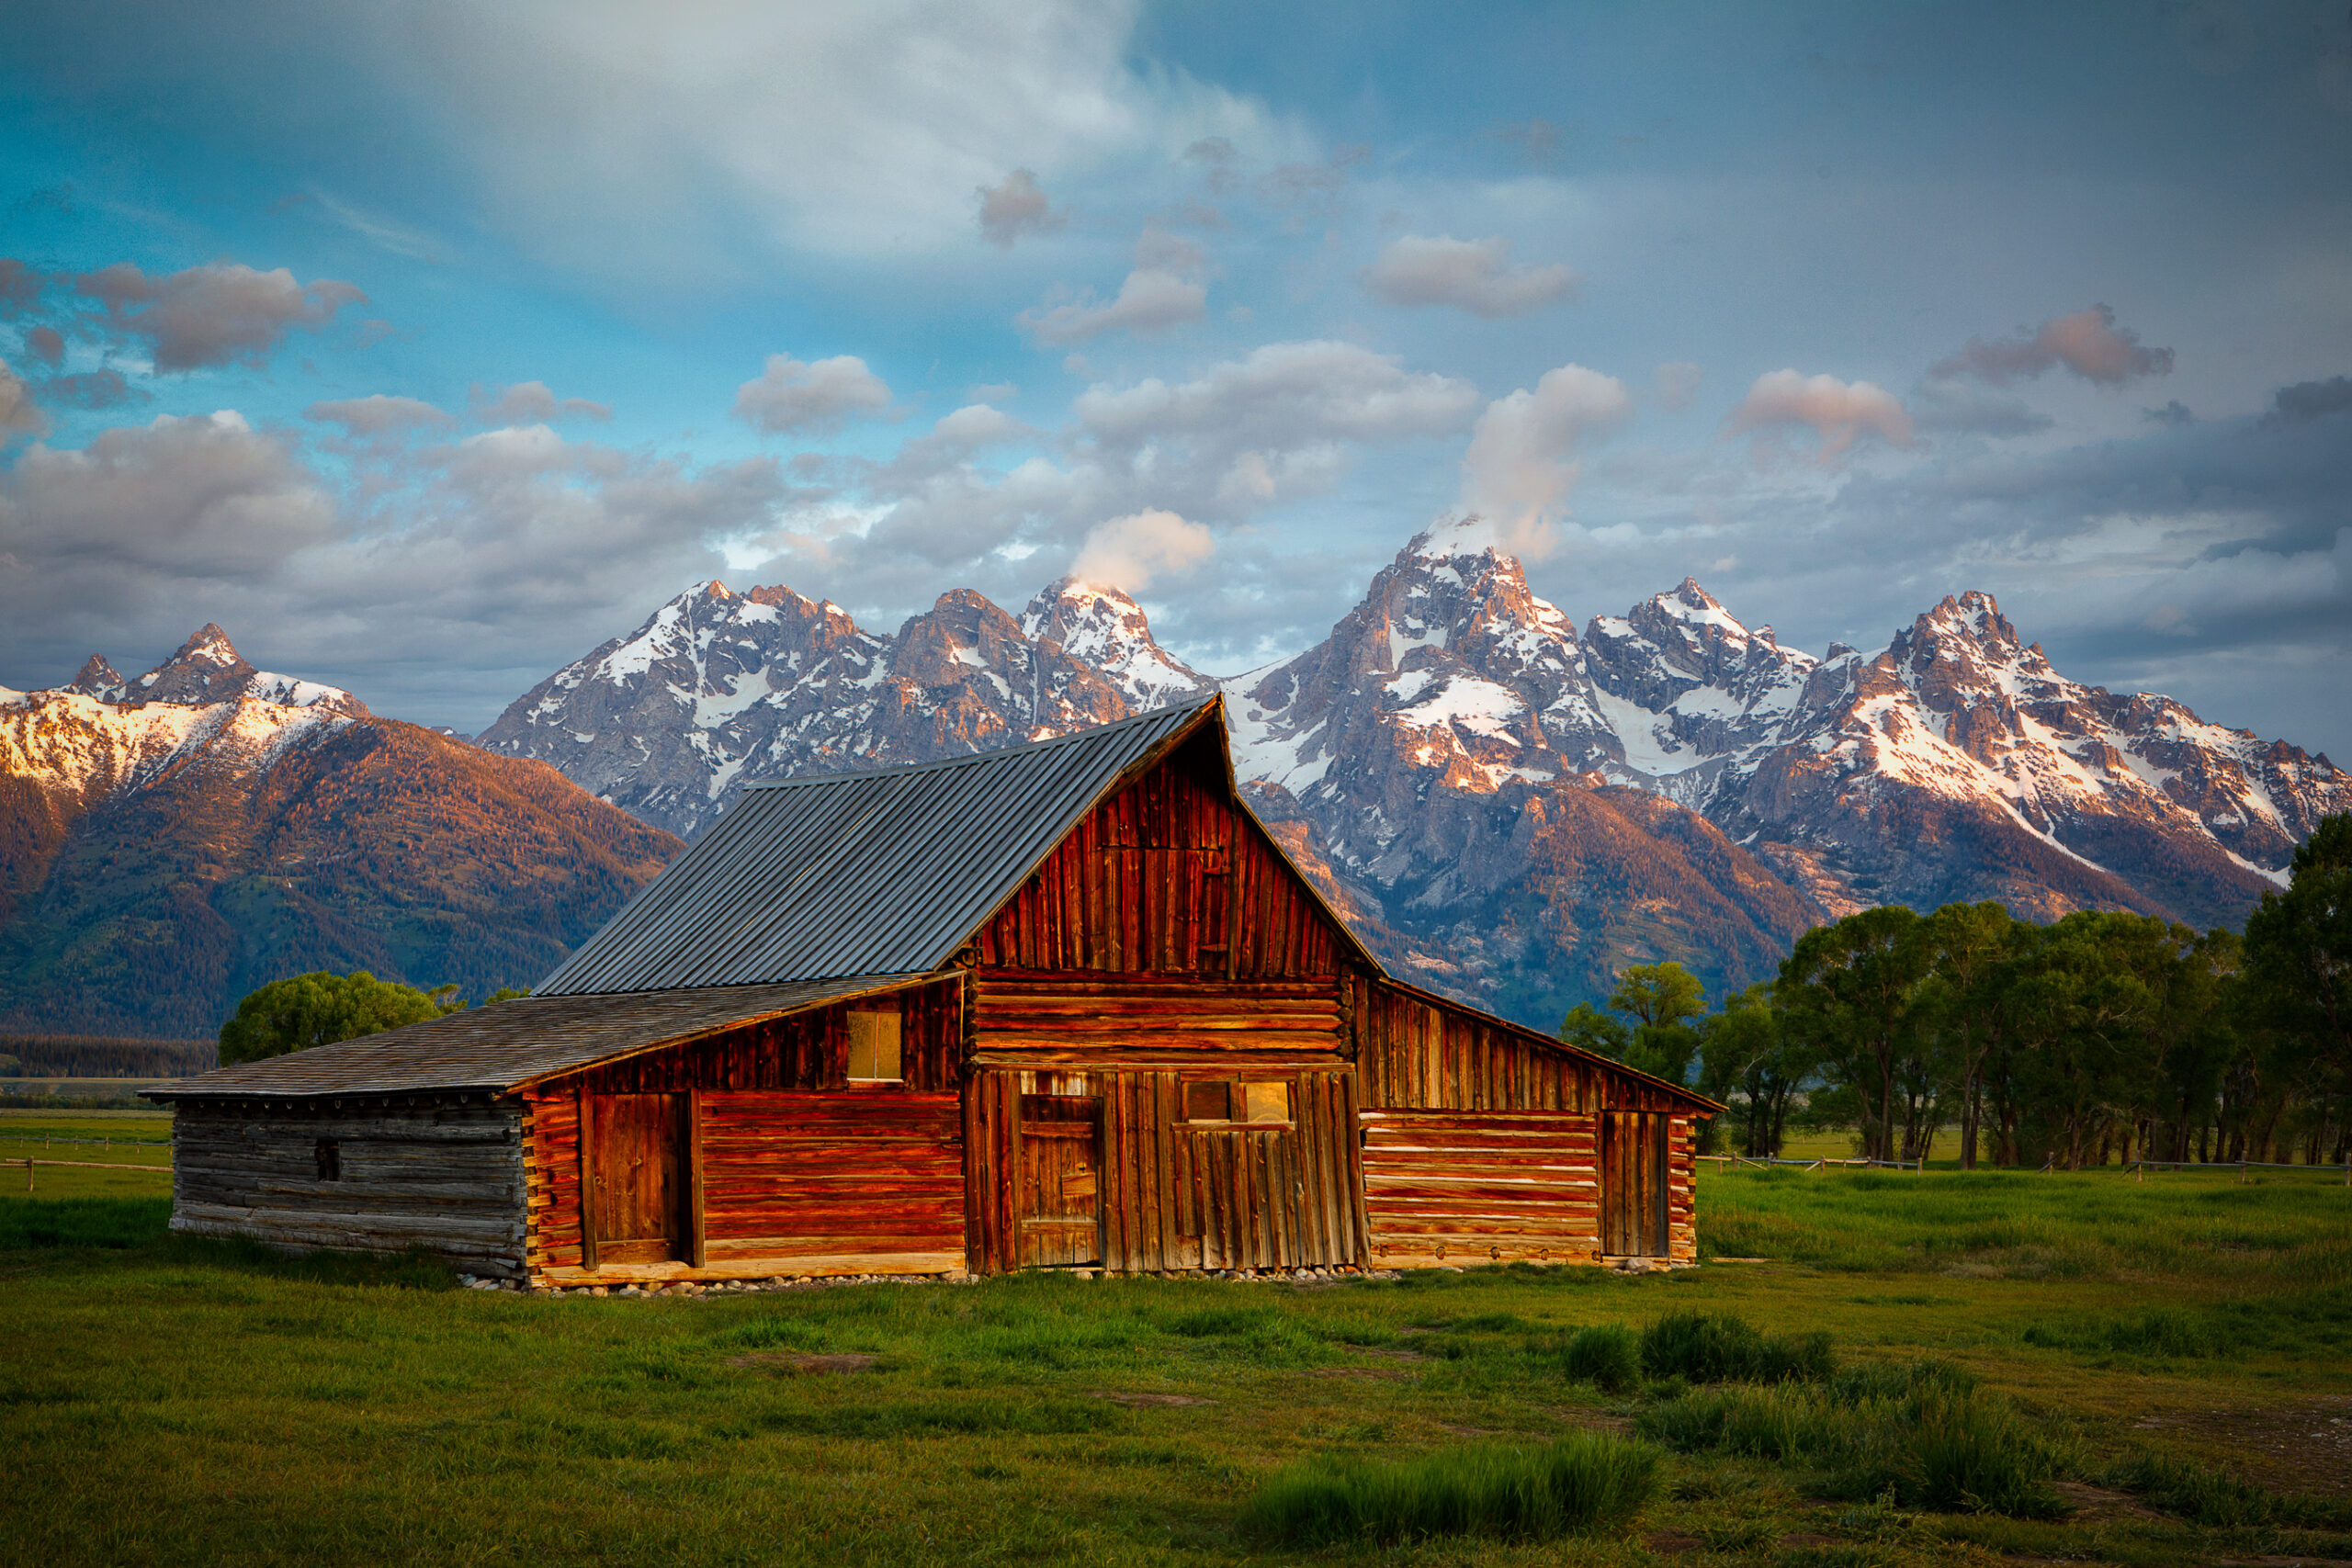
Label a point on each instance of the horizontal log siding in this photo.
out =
(447, 1179)
(1481, 1143)
(1681, 1196)
(1174, 1197)
(1444, 1187)
(1085, 1018)
(868, 1172)
(785, 1081)
(1165, 877)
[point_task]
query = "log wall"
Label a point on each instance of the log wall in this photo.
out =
(1480, 1143)
(803, 1173)
(1169, 875)
(447, 1177)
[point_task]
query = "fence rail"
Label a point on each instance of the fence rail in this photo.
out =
(82, 1165)
(47, 1140)
(2139, 1166)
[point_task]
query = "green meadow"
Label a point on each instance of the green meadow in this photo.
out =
(1881, 1369)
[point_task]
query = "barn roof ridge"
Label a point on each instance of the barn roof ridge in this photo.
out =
(972, 759)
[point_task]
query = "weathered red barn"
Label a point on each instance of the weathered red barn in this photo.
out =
(1066, 1004)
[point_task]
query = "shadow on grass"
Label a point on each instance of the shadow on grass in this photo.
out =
(139, 1228)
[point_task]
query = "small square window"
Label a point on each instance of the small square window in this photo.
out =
(1208, 1101)
(328, 1154)
(1265, 1102)
(873, 1054)
(1238, 1104)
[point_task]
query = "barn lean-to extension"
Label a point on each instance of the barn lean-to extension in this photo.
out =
(1062, 1005)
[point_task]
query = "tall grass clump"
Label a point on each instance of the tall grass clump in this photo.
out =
(1582, 1485)
(1922, 1431)
(1607, 1355)
(1699, 1348)
(2213, 1498)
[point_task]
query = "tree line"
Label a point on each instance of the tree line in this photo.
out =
(2103, 1034)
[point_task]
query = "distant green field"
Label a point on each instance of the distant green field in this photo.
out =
(51, 1136)
(169, 1401)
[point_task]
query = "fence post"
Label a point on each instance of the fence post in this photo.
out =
(29, 1173)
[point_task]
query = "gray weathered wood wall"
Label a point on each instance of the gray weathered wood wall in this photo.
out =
(445, 1177)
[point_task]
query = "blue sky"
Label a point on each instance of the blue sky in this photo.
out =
(427, 345)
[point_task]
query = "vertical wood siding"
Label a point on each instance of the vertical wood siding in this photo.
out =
(1166, 876)
(448, 1179)
(1173, 1196)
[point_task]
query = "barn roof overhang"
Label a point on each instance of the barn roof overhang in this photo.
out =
(511, 1045)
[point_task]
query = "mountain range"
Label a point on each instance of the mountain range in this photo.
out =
(170, 842)
(1508, 808)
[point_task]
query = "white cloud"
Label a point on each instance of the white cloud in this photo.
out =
(18, 414)
(1014, 208)
(1126, 553)
(1840, 412)
(1286, 392)
(606, 129)
(221, 313)
(977, 425)
(1473, 275)
(2087, 343)
(369, 418)
(533, 402)
(790, 395)
(1150, 301)
(1522, 462)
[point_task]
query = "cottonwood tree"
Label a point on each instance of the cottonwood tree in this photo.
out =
(323, 1007)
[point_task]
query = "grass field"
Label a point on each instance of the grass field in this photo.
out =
(168, 1402)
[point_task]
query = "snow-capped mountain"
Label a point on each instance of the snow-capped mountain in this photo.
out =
(717, 689)
(1509, 807)
(1954, 764)
(169, 843)
(101, 734)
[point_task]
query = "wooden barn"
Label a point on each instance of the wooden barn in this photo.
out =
(1067, 1004)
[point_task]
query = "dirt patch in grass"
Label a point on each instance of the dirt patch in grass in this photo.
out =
(2305, 1446)
(797, 1361)
(2097, 1503)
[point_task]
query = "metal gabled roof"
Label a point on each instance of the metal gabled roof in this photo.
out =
(883, 873)
(510, 1045)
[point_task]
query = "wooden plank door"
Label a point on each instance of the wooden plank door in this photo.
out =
(1060, 1161)
(1632, 1184)
(639, 1177)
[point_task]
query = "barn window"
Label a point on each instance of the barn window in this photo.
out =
(873, 1054)
(328, 1153)
(1237, 1104)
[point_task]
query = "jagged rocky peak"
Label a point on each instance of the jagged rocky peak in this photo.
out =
(1691, 683)
(207, 669)
(100, 679)
(1104, 628)
(1964, 651)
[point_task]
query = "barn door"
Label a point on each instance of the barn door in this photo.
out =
(637, 1178)
(1632, 1184)
(1060, 1154)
